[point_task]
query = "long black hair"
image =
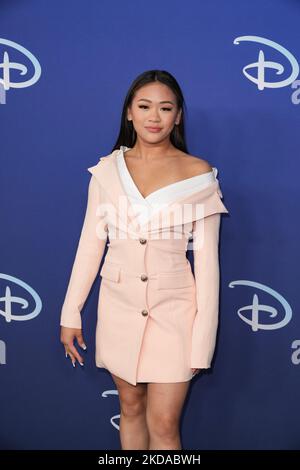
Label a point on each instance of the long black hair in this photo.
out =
(127, 135)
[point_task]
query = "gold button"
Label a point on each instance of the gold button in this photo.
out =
(144, 277)
(143, 241)
(144, 312)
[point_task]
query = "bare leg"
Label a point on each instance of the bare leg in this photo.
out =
(133, 426)
(164, 406)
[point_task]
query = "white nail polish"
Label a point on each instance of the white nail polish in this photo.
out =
(66, 354)
(83, 346)
(81, 363)
(73, 364)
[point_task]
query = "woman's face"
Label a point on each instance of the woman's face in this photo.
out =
(154, 105)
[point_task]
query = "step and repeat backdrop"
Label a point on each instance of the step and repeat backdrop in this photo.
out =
(65, 68)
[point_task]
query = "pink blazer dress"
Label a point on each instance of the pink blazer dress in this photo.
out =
(156, 319)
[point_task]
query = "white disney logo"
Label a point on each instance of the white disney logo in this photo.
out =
(7, 66)
(263, 64)
(113, 419)
(256, 308)
(2, 352)
(9, 300)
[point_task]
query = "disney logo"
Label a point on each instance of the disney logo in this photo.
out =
(263, 64)
(10, 300)
(7, 66)
(106, 394)
(256, 309)
(2, 352)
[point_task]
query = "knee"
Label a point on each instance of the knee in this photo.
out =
(133, 406)
(162, 426)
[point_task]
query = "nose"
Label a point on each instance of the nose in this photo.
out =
(154, 121)
(155, 117)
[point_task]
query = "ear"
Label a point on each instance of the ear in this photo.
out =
(129, 117)
(178, 116)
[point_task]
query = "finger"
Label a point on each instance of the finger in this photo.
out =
(70, 355)
(75, 354)
(80, 341)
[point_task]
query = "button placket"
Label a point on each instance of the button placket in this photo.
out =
(144, 276)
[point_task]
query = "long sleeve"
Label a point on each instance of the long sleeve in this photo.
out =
(206, 272)
(88, 257)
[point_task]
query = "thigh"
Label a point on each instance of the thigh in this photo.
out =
(166, 400)
(130, 394)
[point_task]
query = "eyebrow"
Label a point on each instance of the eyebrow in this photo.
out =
(144, 99)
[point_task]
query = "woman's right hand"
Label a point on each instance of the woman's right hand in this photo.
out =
(67, 336)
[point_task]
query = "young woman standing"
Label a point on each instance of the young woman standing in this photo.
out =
(157, 319)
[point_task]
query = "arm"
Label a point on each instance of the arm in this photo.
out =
(206, 271)
(87, 260)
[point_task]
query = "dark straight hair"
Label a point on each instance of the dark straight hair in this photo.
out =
(127, 135)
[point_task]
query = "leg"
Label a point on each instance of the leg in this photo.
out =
(133, 426)
(164, 406)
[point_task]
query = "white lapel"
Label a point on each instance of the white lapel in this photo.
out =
(183, 209)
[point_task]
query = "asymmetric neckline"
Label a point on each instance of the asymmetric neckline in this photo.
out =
(186, 184)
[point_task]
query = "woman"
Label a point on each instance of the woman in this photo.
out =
(157, 320)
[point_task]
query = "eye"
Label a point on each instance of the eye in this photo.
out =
(144, 106)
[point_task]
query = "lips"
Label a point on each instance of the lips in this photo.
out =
(153, 129)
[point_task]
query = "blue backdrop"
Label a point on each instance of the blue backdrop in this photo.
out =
(237, 63)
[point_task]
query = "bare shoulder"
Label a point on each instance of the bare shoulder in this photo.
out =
(195, 165)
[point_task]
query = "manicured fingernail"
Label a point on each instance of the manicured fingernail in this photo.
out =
(66, 354)
(81, 363)
(83, 346)
(74, 364)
